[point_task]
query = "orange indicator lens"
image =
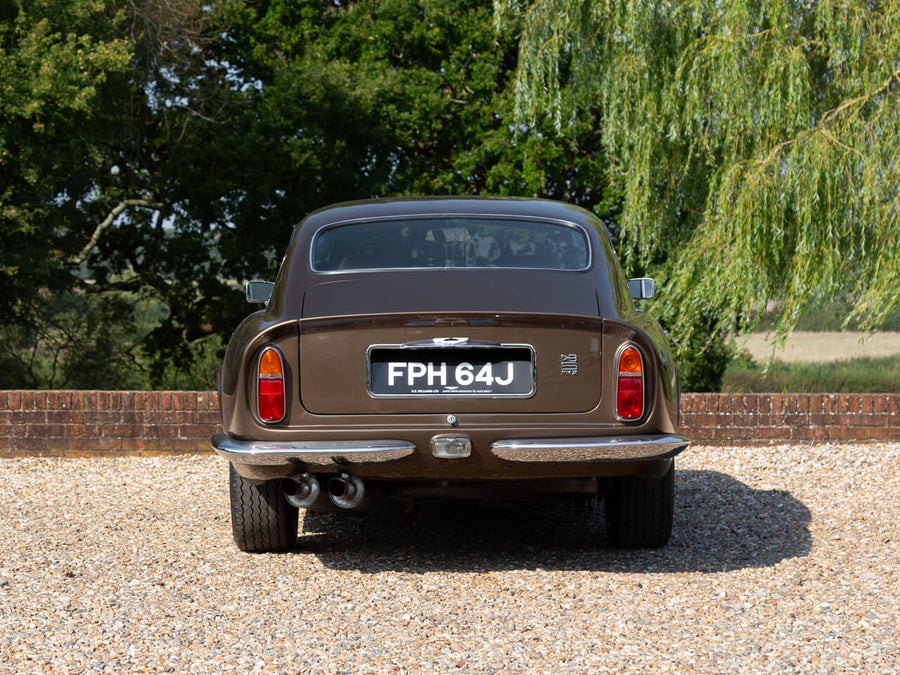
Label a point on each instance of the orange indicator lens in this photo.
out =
(630, 362)
(270, 363)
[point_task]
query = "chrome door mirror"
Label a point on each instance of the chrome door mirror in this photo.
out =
(641, 288)
(259, 291)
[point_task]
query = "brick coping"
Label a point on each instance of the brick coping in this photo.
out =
(150, 423)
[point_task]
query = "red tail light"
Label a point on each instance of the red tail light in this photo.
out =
(630, 385)
(270, 386)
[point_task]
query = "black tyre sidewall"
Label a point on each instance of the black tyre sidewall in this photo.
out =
(261, 519)
(639, 511)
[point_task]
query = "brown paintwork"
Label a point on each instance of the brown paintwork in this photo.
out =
(324, 323)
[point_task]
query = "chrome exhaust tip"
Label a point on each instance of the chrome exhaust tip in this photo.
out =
(301, 490)
(346, 491)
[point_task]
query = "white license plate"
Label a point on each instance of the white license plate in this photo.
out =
(492, 372)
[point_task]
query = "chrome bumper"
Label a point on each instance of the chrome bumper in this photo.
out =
(328, 453)
(317, 453)
(590, 449)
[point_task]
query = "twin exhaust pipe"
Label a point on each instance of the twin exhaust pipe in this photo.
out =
(344, 490)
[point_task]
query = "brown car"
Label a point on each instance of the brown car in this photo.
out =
(449, 347)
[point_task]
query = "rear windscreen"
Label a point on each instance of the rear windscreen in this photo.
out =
(450, 243)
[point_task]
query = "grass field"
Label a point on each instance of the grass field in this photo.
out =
(823, 347)
(849, 362)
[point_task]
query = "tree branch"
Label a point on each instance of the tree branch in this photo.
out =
(115, 213)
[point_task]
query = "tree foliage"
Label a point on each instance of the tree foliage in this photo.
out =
(756, 145)
(53, 61)
(168, 148)
(160, 152)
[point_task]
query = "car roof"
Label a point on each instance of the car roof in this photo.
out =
(448, 206)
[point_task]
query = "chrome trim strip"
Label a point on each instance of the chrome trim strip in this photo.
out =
(589, 449)
(318, 453)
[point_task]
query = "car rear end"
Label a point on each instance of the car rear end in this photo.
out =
(427, 372)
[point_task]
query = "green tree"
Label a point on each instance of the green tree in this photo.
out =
(182, 159)
(421, 91)
(755, 141)
(53, 61)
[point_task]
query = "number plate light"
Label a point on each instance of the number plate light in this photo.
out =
(451, 447)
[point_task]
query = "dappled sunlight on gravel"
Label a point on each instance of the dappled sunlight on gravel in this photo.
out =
(783, 559)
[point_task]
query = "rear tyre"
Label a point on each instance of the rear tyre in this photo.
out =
(262, 521)
(639, 510)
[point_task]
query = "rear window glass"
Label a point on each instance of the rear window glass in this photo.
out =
(450, 243)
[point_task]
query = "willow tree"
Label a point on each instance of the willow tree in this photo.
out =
(756, 142)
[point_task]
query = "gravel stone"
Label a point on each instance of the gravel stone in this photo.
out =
(783, 559)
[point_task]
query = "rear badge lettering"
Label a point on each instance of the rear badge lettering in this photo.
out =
(568, 364)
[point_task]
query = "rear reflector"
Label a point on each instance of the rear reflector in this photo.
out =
(630, 385)
(270, 386)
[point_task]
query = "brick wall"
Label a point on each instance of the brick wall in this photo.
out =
(79, 423)
(143, 423)
(761, 419)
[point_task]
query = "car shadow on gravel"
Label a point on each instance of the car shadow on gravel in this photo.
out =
(720, 525)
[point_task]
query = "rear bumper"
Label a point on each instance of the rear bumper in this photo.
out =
(315, 453)
(529, 450)
(591, 449)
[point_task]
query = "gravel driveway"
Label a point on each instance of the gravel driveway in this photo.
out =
(784, 559)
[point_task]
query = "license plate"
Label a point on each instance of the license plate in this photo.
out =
(472, 371)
